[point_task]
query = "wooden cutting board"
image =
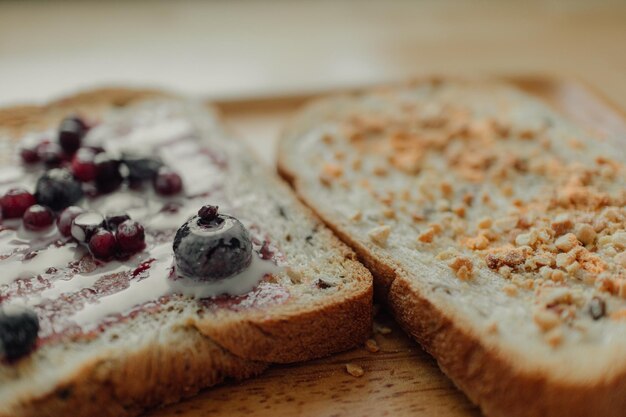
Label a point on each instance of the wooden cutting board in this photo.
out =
(400, 379)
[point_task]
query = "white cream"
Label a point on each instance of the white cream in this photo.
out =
(156, 130)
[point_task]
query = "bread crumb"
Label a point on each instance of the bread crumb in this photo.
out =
(380, 234)
(566, 242)
(463, 267)
(384, 330)
(371, 345)
(354, 370)
(620, 259)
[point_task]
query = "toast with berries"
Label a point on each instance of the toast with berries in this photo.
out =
(146, 254)
(495, 231)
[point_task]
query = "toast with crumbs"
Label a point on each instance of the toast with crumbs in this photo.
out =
(87, 335)
(495, 231)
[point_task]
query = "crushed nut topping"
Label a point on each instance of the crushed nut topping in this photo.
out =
(492, 194)
(380, 234)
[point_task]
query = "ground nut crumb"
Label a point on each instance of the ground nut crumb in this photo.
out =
(566, 242)
(619, 314)
(492, 328)
(484, 223)
(380, 234)
(563, 260)
(446, 189)
(546, 319)
(620, 259)
(510, 290)
(477, 243)
(371, 345)
(356, 216)
(389, 213)
(554, 337)
(585, 233)
(562, 224)
(463, 267)
(354, 370)
(427, 235)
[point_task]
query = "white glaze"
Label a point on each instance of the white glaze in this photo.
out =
(153, 130)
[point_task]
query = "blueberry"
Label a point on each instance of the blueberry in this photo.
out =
(212, 246)
(141, 168)
(108, 176)
(85, 225)
(71, 134)
(58, 189)
(18, 332)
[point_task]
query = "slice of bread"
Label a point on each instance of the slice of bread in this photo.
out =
(142, 349)
(495, 230)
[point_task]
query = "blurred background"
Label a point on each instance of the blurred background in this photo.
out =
(232, 49)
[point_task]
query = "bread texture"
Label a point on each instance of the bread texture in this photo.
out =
(494, 229)
(159, 356)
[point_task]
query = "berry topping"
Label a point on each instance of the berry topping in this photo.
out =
(210, 250)
(130, 236)
(167, 182)
(15, 202)
(29, 156)
(18, 332)
(65, 219)
(115, 219)
(83, 165)
(37, 217)
(71, 134)
(103, 245)
(85, 225)
(141, 168)
(51, 154)
(208, 213)
(58, 189)
(108, 176)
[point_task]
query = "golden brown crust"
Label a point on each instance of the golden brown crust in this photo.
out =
(207, 353)
(126, 385)
(332, 328)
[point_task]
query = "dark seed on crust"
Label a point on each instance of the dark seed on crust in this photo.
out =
(597, 308)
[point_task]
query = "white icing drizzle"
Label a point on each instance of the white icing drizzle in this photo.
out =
(156, 129)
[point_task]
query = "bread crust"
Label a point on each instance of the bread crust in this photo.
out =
(207, 353)
(490, 379)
